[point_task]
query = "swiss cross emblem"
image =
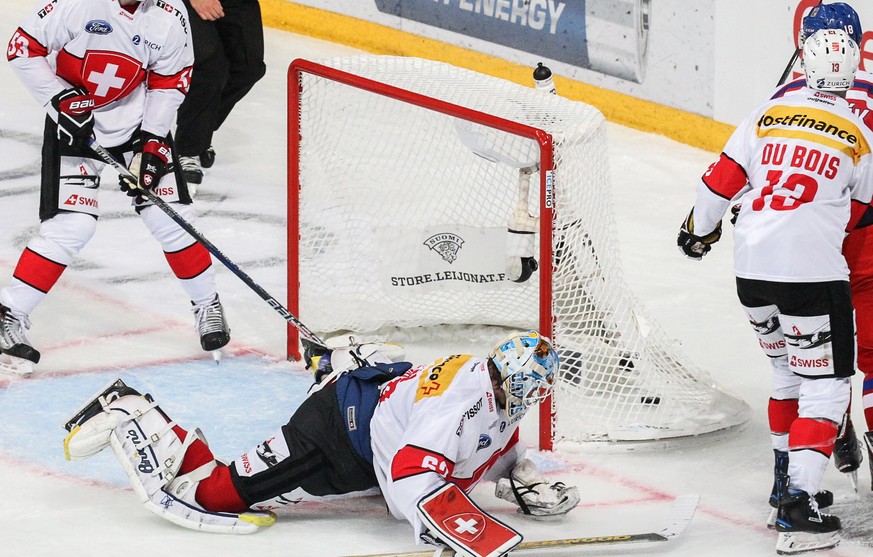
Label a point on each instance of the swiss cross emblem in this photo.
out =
(110, 76)
(466, 526)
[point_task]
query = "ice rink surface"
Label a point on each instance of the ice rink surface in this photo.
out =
(117, 312)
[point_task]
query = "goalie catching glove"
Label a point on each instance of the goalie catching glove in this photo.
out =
(148, 166)
(693, 246)
(534, 495)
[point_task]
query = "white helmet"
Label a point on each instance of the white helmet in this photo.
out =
(830, 60)
(527, 363)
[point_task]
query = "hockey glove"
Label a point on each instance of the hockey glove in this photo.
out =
(152, 163)
(534, 495)
(75, 120)
(735, 213)
(693, 246)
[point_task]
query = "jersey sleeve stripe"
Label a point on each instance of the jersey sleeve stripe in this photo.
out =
(179, 80)
(412, 461)
(22, 45)
(726, 177)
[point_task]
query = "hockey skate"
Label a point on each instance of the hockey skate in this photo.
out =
(152, 450)
(191, 170)
(802, 526)
(212, 326)
(17, 356)
(823, 498)
(847, 451)
(207, 157)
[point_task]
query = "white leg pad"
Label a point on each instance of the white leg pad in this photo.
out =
(151, 453)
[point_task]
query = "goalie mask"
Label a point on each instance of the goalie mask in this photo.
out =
(527, 364)
(830, 60)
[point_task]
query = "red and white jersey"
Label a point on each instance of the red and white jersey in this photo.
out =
(136, 64)
(439, 423)
(800, 167)
(860, 96)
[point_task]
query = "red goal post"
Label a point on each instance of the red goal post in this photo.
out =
(404, 177)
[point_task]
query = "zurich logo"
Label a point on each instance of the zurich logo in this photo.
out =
(98, 27)
(135, 39)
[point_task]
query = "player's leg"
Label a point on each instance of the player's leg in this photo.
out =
(188, 259)
(310, 456)
(68, 215)
(168, 467)
(759, 300)
(858, 251)
(819, 331)
(197, 115)
(763, 315)
(242, 35)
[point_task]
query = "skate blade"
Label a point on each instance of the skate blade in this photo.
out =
(853, 478)
(792, 543)
(216, 355)
(12, 365)
(771, 520)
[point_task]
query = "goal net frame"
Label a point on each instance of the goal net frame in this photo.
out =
(736, 412)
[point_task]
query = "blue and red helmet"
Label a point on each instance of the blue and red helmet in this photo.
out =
(838, 15)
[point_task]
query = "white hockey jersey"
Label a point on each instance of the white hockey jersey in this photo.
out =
(435, 424)
(136, 64)
(799, 165)
(859, 97)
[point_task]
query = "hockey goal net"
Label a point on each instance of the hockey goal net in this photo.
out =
(404, 178)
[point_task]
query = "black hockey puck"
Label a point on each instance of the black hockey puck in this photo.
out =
(650, 399)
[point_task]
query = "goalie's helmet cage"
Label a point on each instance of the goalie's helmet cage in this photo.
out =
(404, 176)
(527, 364)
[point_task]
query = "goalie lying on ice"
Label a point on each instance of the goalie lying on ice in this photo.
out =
(424, 435)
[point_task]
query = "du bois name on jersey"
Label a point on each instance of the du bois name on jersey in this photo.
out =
(799, 167)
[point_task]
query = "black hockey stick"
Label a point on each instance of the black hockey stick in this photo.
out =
(162, 205)
(789, 67)
(793, 59)
(679, 518)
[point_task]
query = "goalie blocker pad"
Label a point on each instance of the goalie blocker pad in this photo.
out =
(453, 518)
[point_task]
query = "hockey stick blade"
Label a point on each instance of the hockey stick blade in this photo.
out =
(210, 247)
(678, 520)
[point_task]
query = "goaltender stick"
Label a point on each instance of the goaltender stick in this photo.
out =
(425, 435)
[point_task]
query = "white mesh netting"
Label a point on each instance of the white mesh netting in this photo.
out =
(403, 216)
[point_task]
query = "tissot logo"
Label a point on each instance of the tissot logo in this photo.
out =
(446, 244)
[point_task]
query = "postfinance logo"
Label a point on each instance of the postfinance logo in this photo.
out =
(434, 380)
(812, 124)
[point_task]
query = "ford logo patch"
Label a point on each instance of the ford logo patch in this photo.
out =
(98, 27)
(484, 442)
